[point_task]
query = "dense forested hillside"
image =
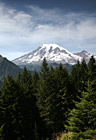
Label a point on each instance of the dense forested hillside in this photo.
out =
(37, 67)
(8, 68)
(40, 107)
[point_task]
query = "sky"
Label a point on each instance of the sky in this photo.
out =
(27, 24)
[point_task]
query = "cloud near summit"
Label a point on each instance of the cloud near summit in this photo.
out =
(22, 31)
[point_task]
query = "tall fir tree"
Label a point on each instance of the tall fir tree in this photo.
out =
(78, 78)
(19, 115)
(83, 75)
(30, 113)
(75, 76)
(63, 100)
(9, 110)
(44, 92)
(82, 120)
(46, 97)
(92, 67)
(35, 79)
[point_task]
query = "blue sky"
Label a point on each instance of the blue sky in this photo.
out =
(27, 24)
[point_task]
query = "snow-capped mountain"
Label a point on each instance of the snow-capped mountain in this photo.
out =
(84, 54)
(52, 53)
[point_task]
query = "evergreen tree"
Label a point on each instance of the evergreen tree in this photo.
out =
(35, 80)
(50, 100)
(82, 121)
(19, 115)
(43, 90)
(75, 76)
(78, 78)
(83, 75)
(9, 110)
(46, 97)
(53, 96)
(84, 70)
(92, 68)
(63, 100)
(25, 79)
(30, 113)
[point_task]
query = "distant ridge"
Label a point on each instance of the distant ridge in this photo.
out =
(84, 54)
(8, 68)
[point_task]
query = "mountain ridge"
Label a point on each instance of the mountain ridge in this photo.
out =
(52, 53)
(84, 54)
(8, 68)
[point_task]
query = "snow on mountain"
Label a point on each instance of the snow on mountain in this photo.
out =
(84, 54)
(52, 53)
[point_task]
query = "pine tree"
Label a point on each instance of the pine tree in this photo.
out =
(75, 76)
(53, 97)
(78, 78)
(30, 113)
(35, 79)
(84, 70)
(46, 97)
(92, 68)
(82, 121)
(83, 75)
(43, 89)
(9, 110)
(25, 79)
(63, 100)
(19, 115)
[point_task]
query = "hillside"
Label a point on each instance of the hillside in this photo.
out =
(8, 68)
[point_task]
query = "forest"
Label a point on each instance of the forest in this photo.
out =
(51, 105)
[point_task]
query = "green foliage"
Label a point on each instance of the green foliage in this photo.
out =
(44, 95)
(9, 108)
(1, 83)
(92, 68)
(35, 107)
(82, 121)
(53, 96)
(35, 80)
(1, 130)
(79, 75)
(62, 136)
(18, 109)
(63, 98)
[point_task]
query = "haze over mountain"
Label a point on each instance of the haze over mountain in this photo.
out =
(52, 53)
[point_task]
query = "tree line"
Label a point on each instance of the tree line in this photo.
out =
(34, 107)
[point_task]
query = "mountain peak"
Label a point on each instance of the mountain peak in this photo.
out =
(49, 45)
(52, 53)
(52, 46)
(84, 51)
(84, 54)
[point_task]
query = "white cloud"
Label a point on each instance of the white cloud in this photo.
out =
(21, 32)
